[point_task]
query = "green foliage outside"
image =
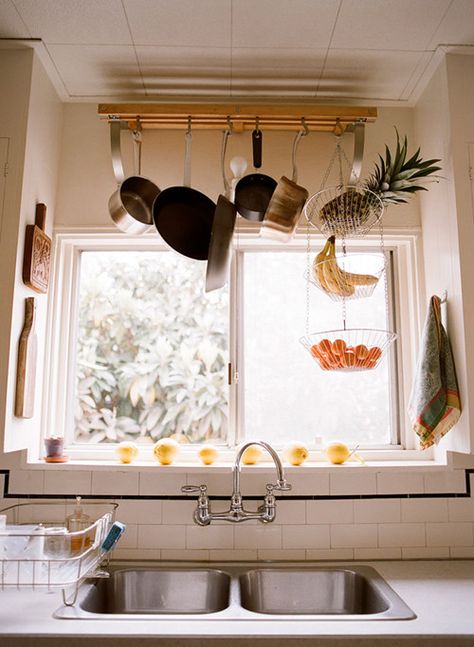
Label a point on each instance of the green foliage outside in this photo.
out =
(151, 350)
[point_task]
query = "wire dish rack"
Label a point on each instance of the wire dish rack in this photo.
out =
(38, 552)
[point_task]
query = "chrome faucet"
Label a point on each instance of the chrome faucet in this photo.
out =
(236, 513)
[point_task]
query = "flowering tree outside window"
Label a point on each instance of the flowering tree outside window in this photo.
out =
(152, 350)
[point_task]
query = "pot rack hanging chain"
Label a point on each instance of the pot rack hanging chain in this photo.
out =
(308, 274)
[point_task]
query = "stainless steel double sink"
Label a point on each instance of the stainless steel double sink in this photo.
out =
(240, 592)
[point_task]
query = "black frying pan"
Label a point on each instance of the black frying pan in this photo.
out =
(253, 192)
(183, 216)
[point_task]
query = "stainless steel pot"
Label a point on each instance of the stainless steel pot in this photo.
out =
(130, 206)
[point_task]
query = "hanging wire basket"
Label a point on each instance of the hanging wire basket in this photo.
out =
(353, 349)
(344, 211)
(347, 276)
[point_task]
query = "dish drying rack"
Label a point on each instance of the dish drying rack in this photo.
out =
(81, 550)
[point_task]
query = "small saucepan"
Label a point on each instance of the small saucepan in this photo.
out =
(183, 216)
(253, 192)
(130, 206)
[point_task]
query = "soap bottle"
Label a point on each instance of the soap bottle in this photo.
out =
(76, 522)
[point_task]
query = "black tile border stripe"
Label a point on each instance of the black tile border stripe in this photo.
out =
(294, 497)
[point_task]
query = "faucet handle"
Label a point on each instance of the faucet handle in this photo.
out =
(280, 486)
(191, 489)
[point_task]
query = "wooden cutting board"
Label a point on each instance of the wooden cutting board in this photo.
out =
(26, 367)
(37, 255)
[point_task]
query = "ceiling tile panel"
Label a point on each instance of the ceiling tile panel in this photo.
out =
(76, 22)
(367, 74)
(11, 24)
(388, 24)
(185, 23)
(457, 27)
(94, 70)
(286, 23)
(183, 56)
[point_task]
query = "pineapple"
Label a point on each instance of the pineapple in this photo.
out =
(395, 181)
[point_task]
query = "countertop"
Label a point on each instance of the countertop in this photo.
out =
(441, 593)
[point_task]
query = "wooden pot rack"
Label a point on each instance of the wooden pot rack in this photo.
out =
(243, 117)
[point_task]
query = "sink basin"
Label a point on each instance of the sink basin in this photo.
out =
(238, 591)
(335, 591)
(159, 592)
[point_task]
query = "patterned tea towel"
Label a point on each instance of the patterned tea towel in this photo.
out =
(434, 405)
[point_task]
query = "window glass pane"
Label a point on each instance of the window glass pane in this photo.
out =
(152, 349)
(286, 395)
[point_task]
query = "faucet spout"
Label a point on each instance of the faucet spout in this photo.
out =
(281, 481)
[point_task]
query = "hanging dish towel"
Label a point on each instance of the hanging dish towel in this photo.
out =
(434, 405)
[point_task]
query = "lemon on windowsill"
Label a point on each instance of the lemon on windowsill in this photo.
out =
(337, 453)
(126, 451)
(252, 455)
(166, 450)
(208, 454)
(295, 453)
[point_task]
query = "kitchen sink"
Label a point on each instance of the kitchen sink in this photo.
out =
(240, 592)
(137, 591)
(313, 592)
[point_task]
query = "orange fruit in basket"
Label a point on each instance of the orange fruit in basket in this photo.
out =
(339, 347)
(361, 351)
(314, 350)
(349, 359)
(325, 346)
(374, 353)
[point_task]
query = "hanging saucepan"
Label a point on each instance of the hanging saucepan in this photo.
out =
(222, 231)
(287, 202)
(131, 204)
(184, 216)
(253, 192)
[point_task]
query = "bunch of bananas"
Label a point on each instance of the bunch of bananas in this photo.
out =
(334, 280)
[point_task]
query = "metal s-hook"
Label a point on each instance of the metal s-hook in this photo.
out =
(257, 124)
(304, 127)
(188, 129)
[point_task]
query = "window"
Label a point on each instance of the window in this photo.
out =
(143, 352)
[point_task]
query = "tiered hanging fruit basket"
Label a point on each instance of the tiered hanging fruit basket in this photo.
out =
(339, 275)
(353, 349)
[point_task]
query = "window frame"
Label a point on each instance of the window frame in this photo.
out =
(59, 374)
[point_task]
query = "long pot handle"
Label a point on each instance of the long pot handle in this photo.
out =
(117, 164)
(225, 137)
(359, 137)
(299, 135)
(188, 141)
(137, 152)
(257, 147)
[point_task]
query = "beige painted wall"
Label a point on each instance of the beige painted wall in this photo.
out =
(86, 180)
(31, 116)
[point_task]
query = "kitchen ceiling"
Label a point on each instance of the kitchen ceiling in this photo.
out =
(369, 51)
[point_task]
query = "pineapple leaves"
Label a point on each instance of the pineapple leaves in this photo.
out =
(395, 178)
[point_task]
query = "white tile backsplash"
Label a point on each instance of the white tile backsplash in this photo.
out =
(424, 510)
(77, 482)
(354, 535)
(115, 482)
(334, 528)
(377, 511)
(449, 534)
(210, 537)
(328, 511)
(153, 537)
(357, 482)
(268, 536)
(400, 483)
(306, 536)
(401, 534)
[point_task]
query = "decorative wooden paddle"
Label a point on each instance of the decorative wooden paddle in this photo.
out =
(26, 368)
(37, 255)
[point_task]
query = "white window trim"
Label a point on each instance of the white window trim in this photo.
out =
(69, 242)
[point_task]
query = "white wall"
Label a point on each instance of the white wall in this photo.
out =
(444, 126)
(33, 119)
